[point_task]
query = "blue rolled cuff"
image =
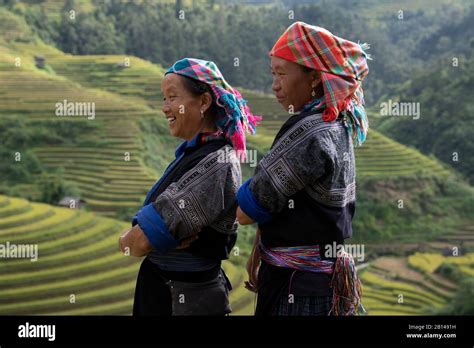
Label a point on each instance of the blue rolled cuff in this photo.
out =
(250, 206)
(155, 229)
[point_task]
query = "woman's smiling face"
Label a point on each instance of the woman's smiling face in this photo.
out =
(181, 108)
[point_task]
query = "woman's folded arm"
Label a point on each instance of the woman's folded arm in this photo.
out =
(196, 200)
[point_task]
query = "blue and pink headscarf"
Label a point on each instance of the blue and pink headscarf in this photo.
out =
(235, 118)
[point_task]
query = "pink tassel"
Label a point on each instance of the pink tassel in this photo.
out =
(238, 140)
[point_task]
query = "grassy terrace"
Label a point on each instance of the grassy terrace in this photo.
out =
(392, 288)
(123, 96)
(77, 255)
(78, 249)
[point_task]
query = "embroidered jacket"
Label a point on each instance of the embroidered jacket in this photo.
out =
(303, 190)
(195, 195)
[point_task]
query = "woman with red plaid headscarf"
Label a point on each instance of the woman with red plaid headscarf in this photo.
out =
(303, 192)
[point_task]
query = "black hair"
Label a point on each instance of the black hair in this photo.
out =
(198, 88)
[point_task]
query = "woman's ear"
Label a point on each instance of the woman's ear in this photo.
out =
(206, 101)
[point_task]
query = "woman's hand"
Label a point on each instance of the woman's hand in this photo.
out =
(243, 218)
(134, 242)
(253, 265)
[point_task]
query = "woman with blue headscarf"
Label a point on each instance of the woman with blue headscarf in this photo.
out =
(187, 224)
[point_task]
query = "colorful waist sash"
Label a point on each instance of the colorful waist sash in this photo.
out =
(303, 258)
(347, 288)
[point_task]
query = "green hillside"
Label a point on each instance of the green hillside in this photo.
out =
(77, 255)
(426, 281)
(445, 95)
(115, 158)
(102, 172)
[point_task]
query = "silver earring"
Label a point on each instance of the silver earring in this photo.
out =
(202, 114)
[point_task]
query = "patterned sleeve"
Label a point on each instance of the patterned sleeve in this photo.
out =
(298, 159)
(199, 198)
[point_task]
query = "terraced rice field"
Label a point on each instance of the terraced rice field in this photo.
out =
(429, 262)
(124, 95)
(416, 277)
(77, 255)
(111, 176)
(77, 249)
(391, 287)
(380, 156)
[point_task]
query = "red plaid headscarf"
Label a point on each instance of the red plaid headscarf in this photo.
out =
(342, 64)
